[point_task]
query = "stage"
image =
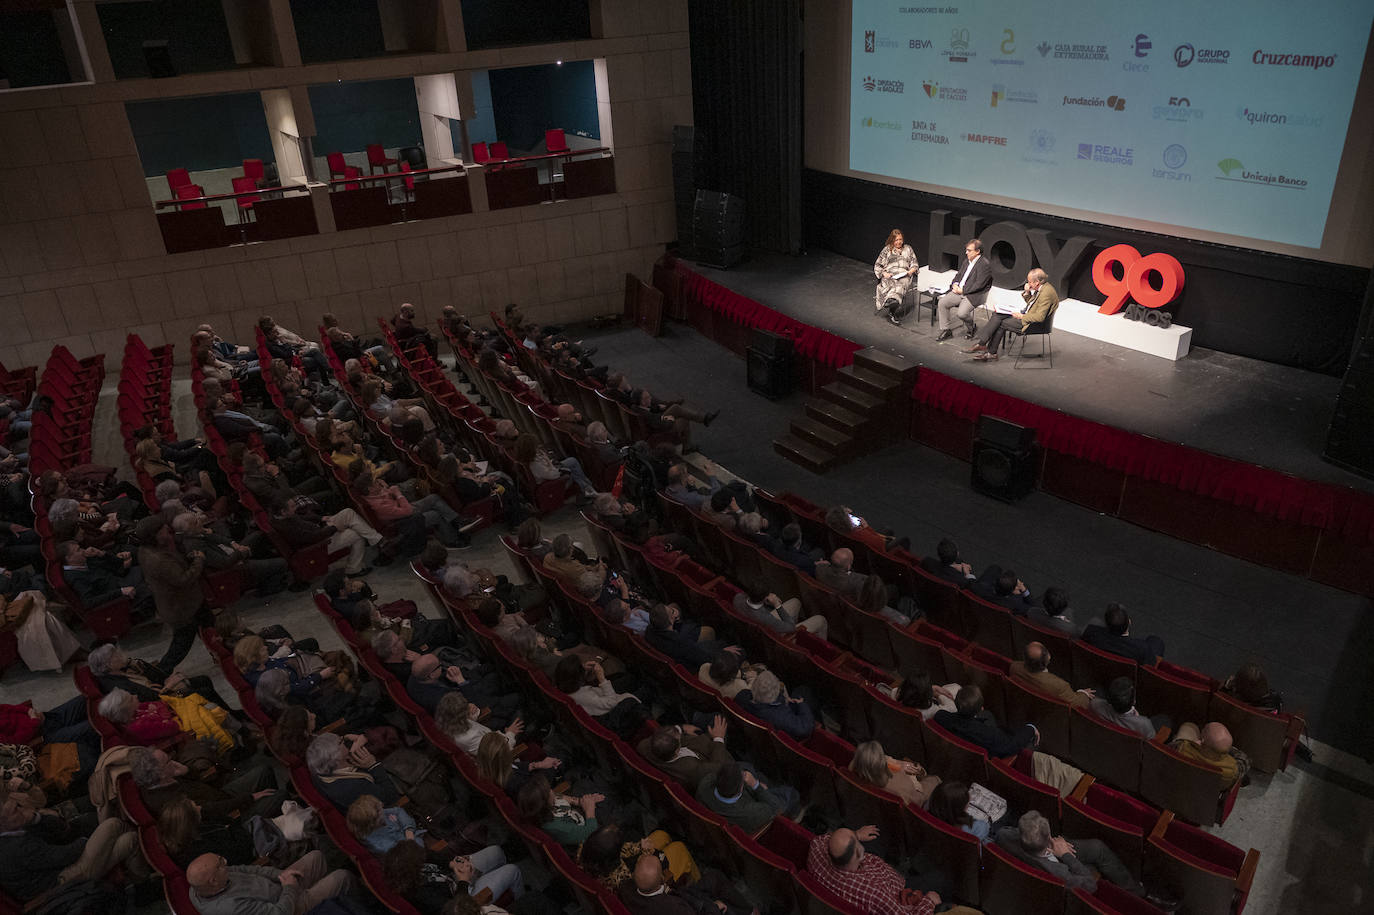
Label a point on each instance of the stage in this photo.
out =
(1271, 415)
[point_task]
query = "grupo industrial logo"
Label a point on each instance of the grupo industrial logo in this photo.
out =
(883, 85)
(1185, 54)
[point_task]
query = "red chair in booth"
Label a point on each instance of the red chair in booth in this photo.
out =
(352, 171)
(178, 177)
(245, 203)
(338, 168)
(1208, 873)
(377, 158)
(555, 140)
(480, 154)
(190, 192)
(253, 168)
(499, 150)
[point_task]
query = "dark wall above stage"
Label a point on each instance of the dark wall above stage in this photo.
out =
(1264, 306)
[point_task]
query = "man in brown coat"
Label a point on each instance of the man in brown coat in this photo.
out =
(687, 753)
(1034, 673)
(175, 582)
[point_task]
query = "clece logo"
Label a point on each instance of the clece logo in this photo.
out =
(1001, 94)
(1277, 119)
(1142, 45)
(958, 50)
(1175, 157)
(983, 138)
(1044, 48)
(870, 41)
(944, 93)
(1106, 154)
(1179, 110)
(1040, 147)
(1113, 102)
(1081, 52)
(1234, 170)
(925, 132)
(1274, 59)
(875, 124)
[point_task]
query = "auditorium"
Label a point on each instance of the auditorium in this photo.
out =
(689, 457)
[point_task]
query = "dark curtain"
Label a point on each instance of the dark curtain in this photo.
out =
(747, 105)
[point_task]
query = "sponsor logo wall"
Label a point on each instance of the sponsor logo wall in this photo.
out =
(1063, 103)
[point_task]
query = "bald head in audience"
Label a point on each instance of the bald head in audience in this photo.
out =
(845, 850)
(648, 874)
(1216, 737)
(842, 559)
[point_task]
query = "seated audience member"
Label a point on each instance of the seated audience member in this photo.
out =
(381, 828)
(874, 596)
(431, 886)
(949, 803)
(375, 394)
(680, 488)
(33, 860)
(98, 577)
(971, 722)
(219, 888)
(1078, 863)
(355, 601)
(1054, 613)
(240, 795)
(410, 333)
(767, 698)
(141, 723)
(65, 723)
(687, 753)
(650, 891)
(1008, 591)
(345, 531)
(1116, 637)
(838, 862)
(283, 344)
(762, 606)
(722, 510)
(112, 669)
(586, 682)
(530, 540)
(949, 566)
(237, 426)
(919, 693)
(562, 563)
(568, 820)
(682, 640)
(411, 523)
(543, 468)
(491, 613)
(839, 575)
(791, 549)
(345, 770)
(1250, 685)
(610, 856)
(457, 718)
(842, 520)
(1212, 746)
(634, 617)
(266, 576)
(906, 779)
(1118, 708)
(728, 673)
(498, 764)
(623, 517)
(1034, 672)
(430, 680)
(185, 837)
(742, 798)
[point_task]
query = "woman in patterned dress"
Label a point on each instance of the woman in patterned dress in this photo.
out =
(895, 257)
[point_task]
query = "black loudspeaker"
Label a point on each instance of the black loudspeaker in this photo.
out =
(1349, 441)
(159, 59)
(1003, 459)
(718, 228)
(768, 363)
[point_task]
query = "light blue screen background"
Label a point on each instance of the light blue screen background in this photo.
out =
(997, 123)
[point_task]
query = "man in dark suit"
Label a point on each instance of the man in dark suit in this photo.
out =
(687, 753)
(1006, 590)
(839, 575)
(968, 290)
(98, 577)
(949, 566)
(683, 641)
(971, 722)
(1116, 637)
(430, 681)
(791, 549)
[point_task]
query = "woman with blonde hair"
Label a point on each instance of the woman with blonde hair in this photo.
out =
(186, 837)
(379, 827)
(895, 269)
(498, 764)
(907, 780)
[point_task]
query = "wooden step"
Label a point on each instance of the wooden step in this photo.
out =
(870, 382)
(837, 417)
(881, 362)
(827, 438)
(866, 405)
(804, 454)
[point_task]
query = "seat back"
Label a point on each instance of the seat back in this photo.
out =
(865, 804)
(1207, 873)
(989, 624)
(767, 874)
(1123, 823)
(956, 850)
(1268, 739)
(499, 151)
(954, 758)
(246, 184)
(1109, 899)
(942, 601)
(1177, 691)
(1191, 790)
(376, 155)
(1049, 715)
(190, 192)
(913, 651)
(1094, 668)
(1021, 790)
(480, 153)
(337, 164)
(555, 140)
(178, 177)
(1010, 887)
(1110, 753)
(253, 168)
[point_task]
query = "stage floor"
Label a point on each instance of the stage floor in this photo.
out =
(1270, 415)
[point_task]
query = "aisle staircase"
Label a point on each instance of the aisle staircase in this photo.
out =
(866, 407)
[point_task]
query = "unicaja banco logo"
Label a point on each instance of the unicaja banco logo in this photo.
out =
(1230, 166)
(1142, 45)
(1233, 170)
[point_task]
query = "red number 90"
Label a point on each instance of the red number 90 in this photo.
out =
(1135, 279)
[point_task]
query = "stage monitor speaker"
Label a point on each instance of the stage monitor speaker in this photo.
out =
(774, 346)
(769, 375)
(1349, 441)
(1004, 434)
(158, 58)
(1003, 459)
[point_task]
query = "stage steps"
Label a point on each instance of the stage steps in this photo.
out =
(866, 407)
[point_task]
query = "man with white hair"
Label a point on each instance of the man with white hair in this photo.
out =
(219, 888)
(1076, 862)
(267, 576)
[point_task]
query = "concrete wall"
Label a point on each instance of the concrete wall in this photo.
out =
(82, 261)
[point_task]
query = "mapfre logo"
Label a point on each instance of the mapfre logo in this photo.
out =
(983, 138)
